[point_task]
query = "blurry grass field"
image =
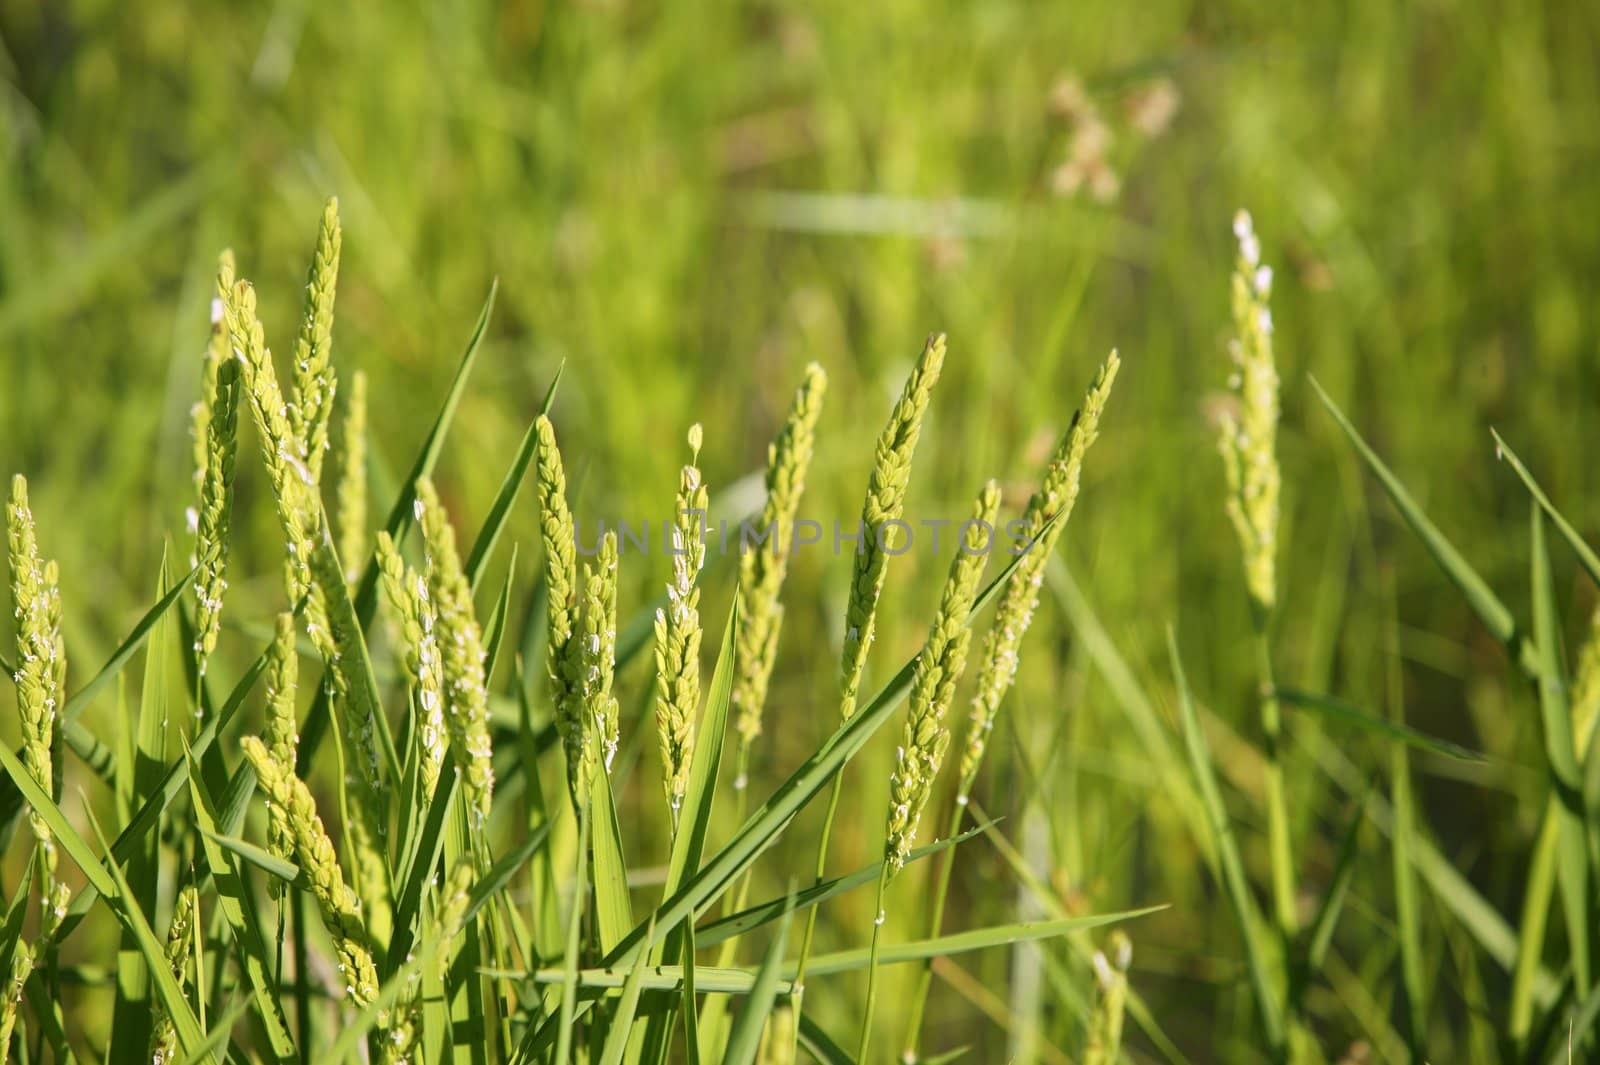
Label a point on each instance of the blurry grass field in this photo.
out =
(685, 206)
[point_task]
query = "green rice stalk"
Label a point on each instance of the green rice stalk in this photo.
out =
(291, 804)
(311, 404)
(1111, 998)
(407, 593)
(920, 756)
(461, 653)
(40, 678)
(1250, 459)
(352, 487)
(216, 443)
(762, 572)
(164, 1035)
(678, 633)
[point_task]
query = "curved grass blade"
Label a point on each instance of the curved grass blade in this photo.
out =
(1336, 709)
(1572, 859)
(1268, 1002)
(616, 1045)
(1496, 616)
(510, 486)
(1586, 555)
(745, 1039)
(259, 857)
(747, 920)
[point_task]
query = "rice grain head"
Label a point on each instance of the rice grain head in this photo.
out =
(216, 427)
(678, 632)
(291, 803)
(880, 514)
(311, 405)
(352, 487)
(1111, 999)
(461, 653)
(939, 667)
(560, 571)
(1045, 519)
(408, 597)
(762, 572)
(20, 968)
(1249, 436)
(591, 668)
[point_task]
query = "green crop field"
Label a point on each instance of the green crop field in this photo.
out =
(623, 532)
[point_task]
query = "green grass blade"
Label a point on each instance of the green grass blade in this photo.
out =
(1332, 906)
(753, 917)
(568, 1017)
(745, 1039)
(1541, 886)
(1334, 709)
(1403, 842)
(494, 635)
(67, 836)
(1268, 998)
(737, 981)
(1586, 555)
(613, 912)
(1496, 616)
(820, 1045)
(79, 701)
(510, 486)
(218, 1035)
(616, 1045)
(256, 856)
(1572, 858)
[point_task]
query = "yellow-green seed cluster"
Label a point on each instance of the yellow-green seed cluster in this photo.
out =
(292, 805)
(762, 572)
(216, 443)
(20, 969)
(407, 593)
(1046, 517)
(41, 675)
(886, 496)
(1250, 433)
(591, 715)
(678, 632)
(560, 571)
(352, 487)
(311, 405)
(939, 667)
(461, 653)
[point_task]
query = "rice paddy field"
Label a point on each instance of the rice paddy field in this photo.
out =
(623, 532)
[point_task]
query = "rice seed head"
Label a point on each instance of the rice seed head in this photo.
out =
(282, 732)
(1249, 435)
(164, 1035)
(352, 487)
(314, 381)
(216, 354)
(762, 572)
(886, 495)
(1045, 519)
(939, 667)
(1111, 982)
(590, 714)
(218, 441)
(454, 899)
(409, 599)
(290, 802)
(461, 653)
(678, 632)
(560, 561)
(40, 660)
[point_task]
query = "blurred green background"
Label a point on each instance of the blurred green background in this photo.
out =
(687, 203)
